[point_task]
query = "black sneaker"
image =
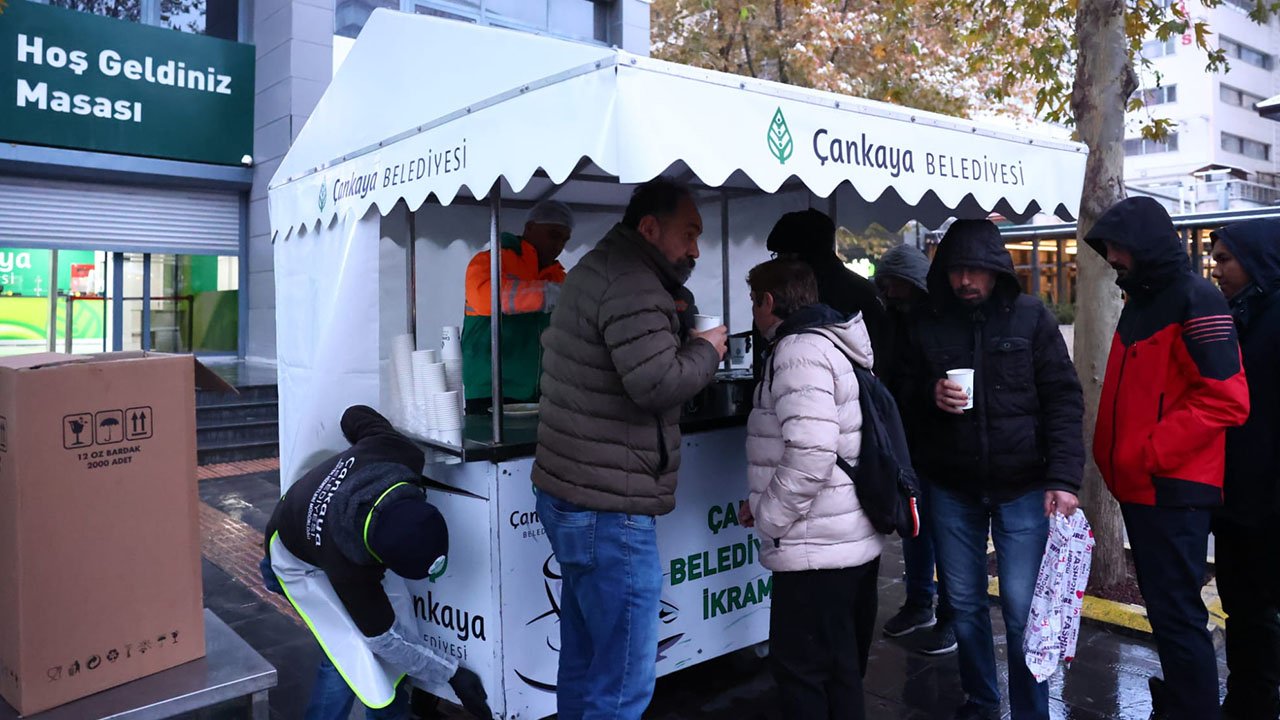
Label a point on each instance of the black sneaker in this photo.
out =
(908, 620)
(939, 641)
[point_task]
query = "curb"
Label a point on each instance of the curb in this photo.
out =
(1132, 619)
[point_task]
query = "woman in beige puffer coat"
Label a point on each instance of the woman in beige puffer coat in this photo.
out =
(813, 532)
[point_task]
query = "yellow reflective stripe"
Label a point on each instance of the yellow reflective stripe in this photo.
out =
(369, 517)
(376, 705)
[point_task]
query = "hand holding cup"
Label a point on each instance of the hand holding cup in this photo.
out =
(950, 397)
(717, 336)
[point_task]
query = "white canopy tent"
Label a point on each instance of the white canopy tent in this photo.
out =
(425, 108)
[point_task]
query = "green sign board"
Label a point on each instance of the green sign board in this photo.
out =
(75, 80)
(26, 272)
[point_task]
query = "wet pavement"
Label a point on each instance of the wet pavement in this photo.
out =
(1108, 679)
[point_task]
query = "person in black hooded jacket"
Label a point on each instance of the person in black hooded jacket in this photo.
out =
(1001, 467)
(901, 276)
(1247, 268)
(810, 236)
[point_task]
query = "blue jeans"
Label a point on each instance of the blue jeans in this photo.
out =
(610, 591)
(1020, 531)
(918, 558)
(331, 697)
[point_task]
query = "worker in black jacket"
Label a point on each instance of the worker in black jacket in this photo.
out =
(1247, 268)
(329, 543)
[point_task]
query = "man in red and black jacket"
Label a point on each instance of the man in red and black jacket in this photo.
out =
(1174, 384)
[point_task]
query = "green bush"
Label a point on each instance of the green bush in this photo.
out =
(1064, 312)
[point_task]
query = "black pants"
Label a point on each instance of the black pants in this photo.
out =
(1170, 546)
(820, 631)
(1248, 563)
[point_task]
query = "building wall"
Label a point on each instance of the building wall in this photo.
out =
(1199, 114)
(295, 42)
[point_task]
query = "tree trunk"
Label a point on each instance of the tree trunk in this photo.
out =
(1104, 81)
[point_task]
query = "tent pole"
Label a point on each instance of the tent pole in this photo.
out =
(495, 308)
(724, 262)
(412, 277)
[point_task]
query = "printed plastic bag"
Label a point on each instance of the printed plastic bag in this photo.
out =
(1054, 622)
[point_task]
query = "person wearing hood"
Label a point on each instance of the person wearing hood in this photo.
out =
(1002, 466)
(619, 362)
(1247, 267)
(330, 542)
(810, 236)
(1173, 385)
(814, 536)
(901, 278)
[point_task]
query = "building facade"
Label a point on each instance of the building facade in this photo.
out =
(1220, 154)
(136, 153)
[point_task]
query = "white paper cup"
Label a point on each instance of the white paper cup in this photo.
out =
(739, 355)
(451, 349)
(703, 323)
(449, 333)
(964, 378)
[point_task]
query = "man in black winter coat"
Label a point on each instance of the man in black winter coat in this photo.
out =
(810, 236)
(1247, 257)
(1001, 467)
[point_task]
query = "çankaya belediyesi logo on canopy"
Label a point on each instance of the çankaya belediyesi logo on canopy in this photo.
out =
(780, 142)
(324, 194)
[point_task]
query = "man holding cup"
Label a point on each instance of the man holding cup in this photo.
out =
(621, 357)
(1003, 449)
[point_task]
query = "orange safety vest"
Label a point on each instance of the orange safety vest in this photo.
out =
(522, 280)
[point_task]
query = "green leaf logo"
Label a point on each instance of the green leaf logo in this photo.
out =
(324, 196)
(780, 143)
(438, 568)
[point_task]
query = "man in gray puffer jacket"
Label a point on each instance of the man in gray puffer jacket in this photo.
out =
(619, 362)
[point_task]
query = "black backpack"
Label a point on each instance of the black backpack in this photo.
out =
(887, 486)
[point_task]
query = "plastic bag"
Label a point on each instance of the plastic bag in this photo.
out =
(1053, 625)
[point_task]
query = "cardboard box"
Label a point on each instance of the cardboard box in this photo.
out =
(99, 531)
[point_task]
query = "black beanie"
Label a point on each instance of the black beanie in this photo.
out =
(408, 534)
(807, 232)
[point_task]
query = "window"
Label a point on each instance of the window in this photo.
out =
(219, 18)
(1158, 48)
(1250, 55)
(1237, 97)
(1245, 146)
(573, 19)
(1160, 95)
(1143, 146)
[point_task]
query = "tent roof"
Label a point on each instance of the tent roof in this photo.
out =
(425, 107)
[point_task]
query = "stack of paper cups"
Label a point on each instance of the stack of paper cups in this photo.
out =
(447, 408)
(402, 378)
(428, 380)
(450, 343)
(451, 353)
(453, 375)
